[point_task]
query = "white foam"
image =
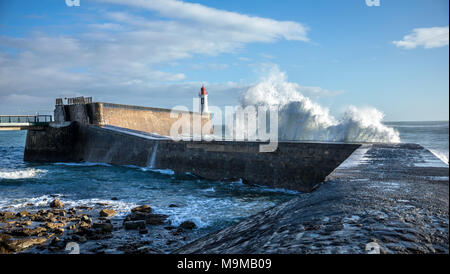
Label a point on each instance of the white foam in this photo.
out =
(82, 164)
(356, 158)
(299, 118)
(162, 171)
(21, 173)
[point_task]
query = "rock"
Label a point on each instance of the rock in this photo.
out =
(53, 225)
(56, 203)
(156, 219)
(173, 205)
(143, 231)
(188, 225)
(177, 232)
(21, 244)
(29, 204)
(143, 208)
(134, 224)
(103, 227)
(107, 212)
(86, 219)
(28, 231)
(7, 215)
(22, 214)
(114, 199)
(59, 231)
(83, 224)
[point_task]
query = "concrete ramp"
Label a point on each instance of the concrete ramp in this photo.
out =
(387, 198)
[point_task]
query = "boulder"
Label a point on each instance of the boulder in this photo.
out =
(107, 212)
(103, 227)
(143, 208)
(156, 219)
(140, 224)
(85, 218)
(56, 203)
(21, 244)
(22, 214)
(188, 225)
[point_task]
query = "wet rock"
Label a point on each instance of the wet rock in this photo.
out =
(134, 224)
(177, 232)
(173, 205)
(86, 219)
(26, 232)
(143, 231)
(143, 208)
(54, 225)
(7, 215)
(17, 245)
(103, 227)
(56, 203)
(22, 214)
(188, 225)
(156, 219)
(114, 199)
(83, 224)
(107, 212)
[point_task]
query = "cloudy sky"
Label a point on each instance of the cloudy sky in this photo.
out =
(158, 53)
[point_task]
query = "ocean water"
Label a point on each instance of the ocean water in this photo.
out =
(210, 204)
(433, 135)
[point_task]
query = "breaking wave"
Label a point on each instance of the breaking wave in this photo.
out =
(299, 118)
(21, 174)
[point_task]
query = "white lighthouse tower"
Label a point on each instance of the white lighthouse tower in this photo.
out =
(203, 100)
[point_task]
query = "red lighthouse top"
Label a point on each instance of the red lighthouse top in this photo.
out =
(203, 91)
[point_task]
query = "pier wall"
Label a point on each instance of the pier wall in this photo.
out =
(294, 165)
(146, 119)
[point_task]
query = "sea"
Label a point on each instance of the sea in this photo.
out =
(212, 205)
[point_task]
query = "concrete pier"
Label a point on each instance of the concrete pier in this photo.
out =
(294, 165)
(383, 199)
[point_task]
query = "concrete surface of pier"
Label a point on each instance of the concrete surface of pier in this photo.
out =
(384, 198)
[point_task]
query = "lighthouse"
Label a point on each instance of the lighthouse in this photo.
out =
(203, 100)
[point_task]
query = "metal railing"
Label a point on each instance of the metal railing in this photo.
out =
(75, 101)
(25, 119)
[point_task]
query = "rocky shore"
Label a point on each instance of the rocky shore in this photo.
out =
(85, 229)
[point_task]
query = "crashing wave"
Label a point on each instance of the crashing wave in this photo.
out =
(299, 118)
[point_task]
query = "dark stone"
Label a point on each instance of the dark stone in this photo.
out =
(134, 224)
(188, 225)
(142, 208)
(156, 219)
(56, 204)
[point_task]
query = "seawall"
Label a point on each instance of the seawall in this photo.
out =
(146, 119)
(294, 165)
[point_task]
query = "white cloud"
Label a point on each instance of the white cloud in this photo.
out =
(128, 53)
(427, 37)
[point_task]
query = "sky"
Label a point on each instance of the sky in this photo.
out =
(393, 56)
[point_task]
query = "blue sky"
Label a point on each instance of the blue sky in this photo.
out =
(158, 53)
